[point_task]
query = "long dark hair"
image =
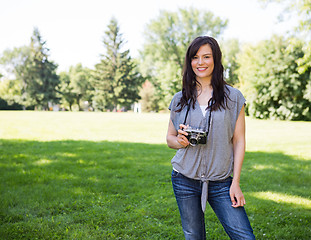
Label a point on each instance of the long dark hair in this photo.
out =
(189, 78)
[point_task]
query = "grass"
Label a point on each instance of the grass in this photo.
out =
(107, 176)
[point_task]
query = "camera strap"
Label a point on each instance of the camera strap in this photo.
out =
(209, 118)
(188, 108)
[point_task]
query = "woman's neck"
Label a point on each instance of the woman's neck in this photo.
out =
(204, 92)
(205, 85)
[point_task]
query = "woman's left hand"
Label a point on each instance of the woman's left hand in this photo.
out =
(236, 195)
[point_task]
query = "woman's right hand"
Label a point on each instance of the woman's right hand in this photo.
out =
(176, 139)
(181, 136)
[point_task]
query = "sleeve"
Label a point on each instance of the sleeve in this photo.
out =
(241, 101)
(172, 107)
(238, 102)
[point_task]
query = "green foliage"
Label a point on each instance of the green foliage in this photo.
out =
(66, 90)
(13, 62)
(116, 80)
(230, 50)
(10, 91)
(271, 82)
(75, 86)
(148, 97)
(166, 40)
(4, 105)
(14, 65)
(302, 9)
(40, 79)
(35, 78)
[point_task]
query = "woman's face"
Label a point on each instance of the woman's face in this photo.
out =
(203, 63)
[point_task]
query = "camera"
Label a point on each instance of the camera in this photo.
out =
(196, 136)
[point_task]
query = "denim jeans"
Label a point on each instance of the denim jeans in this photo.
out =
(188, 196)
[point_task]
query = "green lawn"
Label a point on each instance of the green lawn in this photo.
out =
(107, 176)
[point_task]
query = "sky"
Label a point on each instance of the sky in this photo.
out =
(74, 29)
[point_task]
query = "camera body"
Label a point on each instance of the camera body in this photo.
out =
(196, 136)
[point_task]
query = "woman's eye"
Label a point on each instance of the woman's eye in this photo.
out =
(195, 57)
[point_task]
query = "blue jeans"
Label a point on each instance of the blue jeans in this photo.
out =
(188, 196)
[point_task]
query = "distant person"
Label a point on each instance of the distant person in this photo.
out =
(207, 126)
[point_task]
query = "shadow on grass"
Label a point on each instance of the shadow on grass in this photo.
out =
(118, 190)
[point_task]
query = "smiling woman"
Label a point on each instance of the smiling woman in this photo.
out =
(210, 170)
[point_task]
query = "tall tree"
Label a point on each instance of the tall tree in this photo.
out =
(271, 82)
(32, 72)
(40, 78)
(116, 80)
(167, 39)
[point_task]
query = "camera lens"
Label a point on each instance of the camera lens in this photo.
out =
(193, 141)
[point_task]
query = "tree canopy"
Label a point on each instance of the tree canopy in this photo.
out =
(116, 80)
(76, 86)
(166, 40)
(274, 74)
(271, 82)
(34, 73)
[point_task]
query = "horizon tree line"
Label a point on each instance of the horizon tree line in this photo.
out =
(272, 74)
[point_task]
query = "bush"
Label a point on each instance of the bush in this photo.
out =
(5, 106)
(271, 82)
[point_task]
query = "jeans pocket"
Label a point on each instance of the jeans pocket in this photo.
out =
(175, 174)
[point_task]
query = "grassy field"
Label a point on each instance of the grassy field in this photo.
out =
(107, 176)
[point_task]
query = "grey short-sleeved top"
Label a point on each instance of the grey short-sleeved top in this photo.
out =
(212, 161)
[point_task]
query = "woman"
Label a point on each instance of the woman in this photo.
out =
(210, 114)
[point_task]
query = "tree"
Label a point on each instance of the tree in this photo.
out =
(271, 82)
(14, 67)
(40, 79)
(148, 98)
(230, 50)
(10, 92)
(75, 86)
(35, 74)
(301, 8)
(167, 39)
(66, 91)
(116, 80)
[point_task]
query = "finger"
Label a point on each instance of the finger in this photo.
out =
(232, 200)
(182, 143)
(238, 204)
(182, 132)
(182, 126)
(182, 140)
